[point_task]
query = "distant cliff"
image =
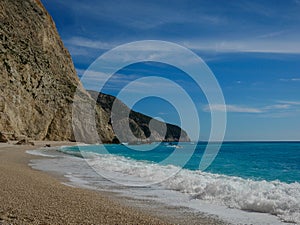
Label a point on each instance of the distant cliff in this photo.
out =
(38, 80)
(139, 123)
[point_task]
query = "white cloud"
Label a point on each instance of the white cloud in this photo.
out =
(89, 77)
(290, 79)
(251, 45)
(282, 110)
(88, 43)
(281, 107)
(75, 51)
(232, 108)
(144, 14)
(93, 79)
(272, 34)
(94, 76)
(278, 106)
(290, 102)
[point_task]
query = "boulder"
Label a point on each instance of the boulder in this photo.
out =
(3, 138)
(25, 142)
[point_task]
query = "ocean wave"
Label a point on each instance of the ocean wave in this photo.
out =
(70, 152)
(42, 152)
(275, 197)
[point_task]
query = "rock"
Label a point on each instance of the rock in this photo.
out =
(25, 142)
(47, 145)
(20, 137)
(38, 78)
(3, 138)
(37, 74)
(38, 82)
(139, 123)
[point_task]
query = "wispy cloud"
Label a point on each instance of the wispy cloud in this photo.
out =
(93, 76)
(281, 107)
(256, 8)
(92, 80)
(277, 106)
(89, 43)
(231, 108)
(295, 103)
(235, 25)
(84, 46)
(242, 45)
(297, 2)
(289, 79)
(75, 51)
(272, 34)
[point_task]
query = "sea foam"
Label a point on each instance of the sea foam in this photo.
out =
(275, 197)
(213, 194)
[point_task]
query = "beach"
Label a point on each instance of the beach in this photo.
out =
(28, 196)
(171, 114)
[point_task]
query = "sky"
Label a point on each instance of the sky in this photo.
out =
(251, 47)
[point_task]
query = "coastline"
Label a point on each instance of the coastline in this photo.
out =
(36, 197)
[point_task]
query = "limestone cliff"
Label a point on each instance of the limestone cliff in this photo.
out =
(38, 78)
(38, 81)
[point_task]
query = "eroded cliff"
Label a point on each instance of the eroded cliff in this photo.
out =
(38, 82)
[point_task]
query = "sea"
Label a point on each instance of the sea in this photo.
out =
(246, 182)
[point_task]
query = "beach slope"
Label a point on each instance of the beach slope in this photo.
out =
(28, 196)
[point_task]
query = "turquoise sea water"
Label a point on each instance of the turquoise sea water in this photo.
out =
(258, 177)
(268, 161)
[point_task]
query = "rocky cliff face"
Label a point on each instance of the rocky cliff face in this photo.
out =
(38, 81)
(143, 128)
(37, 74)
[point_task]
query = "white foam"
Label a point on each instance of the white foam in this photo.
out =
(276, 198)
(230, 215)
(233, 199)
(41, 152)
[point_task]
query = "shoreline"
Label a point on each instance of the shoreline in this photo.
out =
(31, 196)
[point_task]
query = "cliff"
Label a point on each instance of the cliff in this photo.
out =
(139, 124)
(38, 78)
(38, 81)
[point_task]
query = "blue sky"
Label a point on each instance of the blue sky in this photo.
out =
(252, 47)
